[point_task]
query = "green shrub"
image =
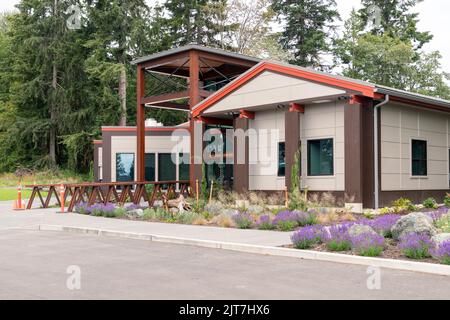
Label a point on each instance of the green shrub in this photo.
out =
(403, 205)
(119, 212)
(338, 245)
(188, 217)
(447, 200)
(298, 200)
(443, 223)
(157, 214)
(430, 203)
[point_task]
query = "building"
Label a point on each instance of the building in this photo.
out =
(369, 142)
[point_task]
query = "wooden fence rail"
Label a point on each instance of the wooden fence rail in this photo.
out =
(105, 192)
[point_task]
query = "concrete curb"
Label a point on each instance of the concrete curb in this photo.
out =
(422, 267)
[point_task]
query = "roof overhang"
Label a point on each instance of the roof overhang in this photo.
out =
(354, 86)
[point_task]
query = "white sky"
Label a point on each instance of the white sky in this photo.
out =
(433, 18)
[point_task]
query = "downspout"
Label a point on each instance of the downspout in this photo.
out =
(376, 148)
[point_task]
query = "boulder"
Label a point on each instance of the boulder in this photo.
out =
(440, 238)
(416, 222)
(358, 229)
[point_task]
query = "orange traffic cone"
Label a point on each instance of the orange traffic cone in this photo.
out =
(18, 205)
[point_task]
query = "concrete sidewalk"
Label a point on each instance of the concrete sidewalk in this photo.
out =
(21, 219)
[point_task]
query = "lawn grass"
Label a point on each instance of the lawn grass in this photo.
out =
(10, 194)
(43, 177)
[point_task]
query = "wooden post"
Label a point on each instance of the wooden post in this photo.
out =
(211, 192)
(286, 195)
(195, 169)
(196, 191)
(140, 124)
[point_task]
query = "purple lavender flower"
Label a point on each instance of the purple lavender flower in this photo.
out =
(415, 246)
(100, 209)
(368, 244)
(265, 222)
(243, 220)
(338, 238)
(438, 213)
(384, 224)
(307, 218)
(442, 252)
(82, 208)
(286, 220)
(306, 237)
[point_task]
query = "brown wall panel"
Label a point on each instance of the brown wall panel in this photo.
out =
(241, 171)
(292, 141)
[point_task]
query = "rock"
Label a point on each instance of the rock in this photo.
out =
(440, 238)
(416, 222)
(359, 229)
(135, 213)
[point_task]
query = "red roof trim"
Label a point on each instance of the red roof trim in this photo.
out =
(365, 90)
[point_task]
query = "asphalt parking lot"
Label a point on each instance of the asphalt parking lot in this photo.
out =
(57, 265)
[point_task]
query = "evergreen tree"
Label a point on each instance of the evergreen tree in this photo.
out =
(191, 21)
(308, 29)
(389, 60)
(394, 18)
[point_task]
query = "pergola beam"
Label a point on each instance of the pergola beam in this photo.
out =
(165, 97)
(171, 106)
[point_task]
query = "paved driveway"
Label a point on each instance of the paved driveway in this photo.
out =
(34, 264)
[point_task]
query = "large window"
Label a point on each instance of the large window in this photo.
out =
(166, 167)
(320, 157)
(419, 157)
(124, 167)
(150, 167)
(281, 159)
(183, 166)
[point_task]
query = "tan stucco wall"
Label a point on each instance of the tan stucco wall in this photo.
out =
(272, 88)
(324, 121)
(319, 121)
(400, 124)
(154, 144)
(263, 169)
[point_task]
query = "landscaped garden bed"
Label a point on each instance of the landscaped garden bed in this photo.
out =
(403, 231)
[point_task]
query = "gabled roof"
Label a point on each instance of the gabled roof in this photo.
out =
(362, 88)
(198, 48)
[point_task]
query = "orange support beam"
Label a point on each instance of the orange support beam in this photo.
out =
(244, 114)
(295, 107)
(354, 99)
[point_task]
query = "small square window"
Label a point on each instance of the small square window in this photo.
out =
(320, 157)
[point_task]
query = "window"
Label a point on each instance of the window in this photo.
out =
(281, 159)
(124, 167)
(419, 157)
(166, 167)
(183, 167)
(320, 157)
(149, 167)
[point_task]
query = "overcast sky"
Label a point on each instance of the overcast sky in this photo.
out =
(433, 17)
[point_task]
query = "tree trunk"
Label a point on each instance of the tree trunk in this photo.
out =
(52, 135)
(123, 96)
